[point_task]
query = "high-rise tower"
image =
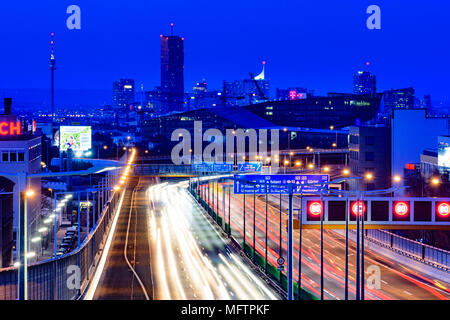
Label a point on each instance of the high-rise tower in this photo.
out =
(52, 70)
(172, 72)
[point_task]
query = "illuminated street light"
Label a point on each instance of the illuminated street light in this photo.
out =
(298, 163)
(435, 181)
(397, 178)
(116, 188)
(326, 169)
(42, 230)
(105, 147)
(30, 193)
(286, 162)
(334, 145)
(345, 172)
(368, 176)
(310, 166)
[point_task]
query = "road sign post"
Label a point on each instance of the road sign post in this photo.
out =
(254, 222)
(347, 212)
(299, 283)
(290, 247)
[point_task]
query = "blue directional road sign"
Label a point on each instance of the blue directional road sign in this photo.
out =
(249, 167)
(213, 167)
(278, 183)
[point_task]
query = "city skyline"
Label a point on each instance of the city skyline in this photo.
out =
(215, 59)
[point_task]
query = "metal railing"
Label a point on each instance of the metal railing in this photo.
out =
(422, 252)
(66, 277)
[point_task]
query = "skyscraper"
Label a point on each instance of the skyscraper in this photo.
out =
(398, 99)
(364, 83)
(123, 93)
(172, 69)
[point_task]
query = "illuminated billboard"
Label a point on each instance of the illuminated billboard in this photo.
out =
(77, 138)
(444, 152)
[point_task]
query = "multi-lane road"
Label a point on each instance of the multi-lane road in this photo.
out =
(397, 281)
(164, 247)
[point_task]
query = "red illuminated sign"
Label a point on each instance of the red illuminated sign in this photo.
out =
(10, 128)
(401, 208)
(443, 209)
(361, 208)
(315, 209)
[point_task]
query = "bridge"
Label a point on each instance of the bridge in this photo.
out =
(193, 237)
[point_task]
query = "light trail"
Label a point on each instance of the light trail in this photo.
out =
(191, 260)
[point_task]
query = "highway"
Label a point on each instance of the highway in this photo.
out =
(398, 282)
(165, 248)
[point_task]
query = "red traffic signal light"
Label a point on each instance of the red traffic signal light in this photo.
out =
(401, 210)
(443, 211)
(358, 207)
(315, 210)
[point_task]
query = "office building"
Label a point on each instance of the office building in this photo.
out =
(412, 132)
(370, 153)
(398, 99)
(253, 90)
(336, 109)
(296, 93)
(364, 83)
(202, 98)
(172, 73)
(20, 152)
(123, 94)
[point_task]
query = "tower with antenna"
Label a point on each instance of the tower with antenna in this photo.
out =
(52, 72)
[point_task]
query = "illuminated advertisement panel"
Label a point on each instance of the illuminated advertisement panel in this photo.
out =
(77, 138)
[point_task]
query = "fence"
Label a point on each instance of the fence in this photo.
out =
(53, 279)
(414, 249)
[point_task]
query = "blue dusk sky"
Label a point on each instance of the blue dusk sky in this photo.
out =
(314, 44)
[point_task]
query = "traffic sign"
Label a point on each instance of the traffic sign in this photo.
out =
(213, 167)
(250, 167)
(280, 261)
(279, 183)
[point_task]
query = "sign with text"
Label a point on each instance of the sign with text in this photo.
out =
(213, 167)
(278, 183)
(250, 167)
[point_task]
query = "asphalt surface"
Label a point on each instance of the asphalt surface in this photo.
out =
(190, 260)
(126, 274)
(165, 248)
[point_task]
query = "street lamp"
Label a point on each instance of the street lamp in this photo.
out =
(435, 181)
(29, 193)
